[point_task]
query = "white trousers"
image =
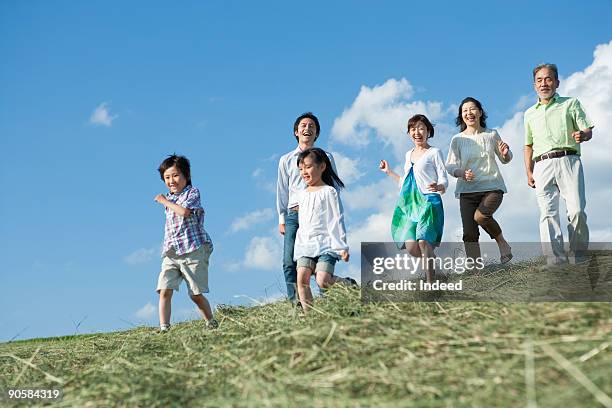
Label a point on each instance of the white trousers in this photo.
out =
(563, 177)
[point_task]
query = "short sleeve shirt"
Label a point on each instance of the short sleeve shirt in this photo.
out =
(550, 127)
(185, 234)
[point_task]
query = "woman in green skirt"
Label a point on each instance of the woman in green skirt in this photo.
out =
(418, 220)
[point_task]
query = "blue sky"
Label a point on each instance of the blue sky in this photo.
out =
(222, 82)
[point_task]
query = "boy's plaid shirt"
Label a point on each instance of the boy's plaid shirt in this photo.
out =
(185, 234)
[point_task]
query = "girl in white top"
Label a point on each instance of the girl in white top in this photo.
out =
(418, 220)
(480, 185)
(321, 236)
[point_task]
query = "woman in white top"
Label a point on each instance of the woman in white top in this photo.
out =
(418, 220)
(321, 236)
(480, 185)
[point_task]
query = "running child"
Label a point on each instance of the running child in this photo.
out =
(321, 237)
(306, 130)
(187, 245)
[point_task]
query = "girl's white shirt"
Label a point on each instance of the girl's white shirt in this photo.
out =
(429, 168)
(321, 219)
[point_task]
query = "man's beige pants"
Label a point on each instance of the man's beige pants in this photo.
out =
(563, 177)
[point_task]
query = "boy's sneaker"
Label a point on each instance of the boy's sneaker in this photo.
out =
(164, 328)
(212, 324)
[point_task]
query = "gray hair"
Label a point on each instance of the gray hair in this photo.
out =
(551, 67)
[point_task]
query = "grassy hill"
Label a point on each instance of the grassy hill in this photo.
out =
(344, 354)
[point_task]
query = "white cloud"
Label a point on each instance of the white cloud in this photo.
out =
(101, 115)
(380, 195)
(524, 102)
(593, 87)
(382, 111)
(520, 210)
(519, 213)
(375, 228)
(140, 256)
(263, 253)
(348, 169)
(248, 220)
(146, 312)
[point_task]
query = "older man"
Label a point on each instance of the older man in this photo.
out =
(555, 127)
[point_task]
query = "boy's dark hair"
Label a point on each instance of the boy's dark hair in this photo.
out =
(421, 118)
(181, 163)
(306, 115)
(459, 120)
(319, 156)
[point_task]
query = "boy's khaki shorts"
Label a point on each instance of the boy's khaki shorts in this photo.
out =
(193, 267)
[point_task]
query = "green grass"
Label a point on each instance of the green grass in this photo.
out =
(344, 354)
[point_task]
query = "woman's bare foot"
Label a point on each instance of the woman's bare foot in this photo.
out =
(505, 253)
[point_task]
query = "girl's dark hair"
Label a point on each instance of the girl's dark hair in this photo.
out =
(319, 156)
(181, 163)
(421, 118)
(483, 119)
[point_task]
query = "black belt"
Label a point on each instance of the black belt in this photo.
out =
(554, 154)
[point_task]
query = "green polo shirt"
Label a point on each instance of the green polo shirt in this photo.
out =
(550, 127)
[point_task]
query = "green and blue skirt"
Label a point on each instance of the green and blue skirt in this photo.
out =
(417, 216)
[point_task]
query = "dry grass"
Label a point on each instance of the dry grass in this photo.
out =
(345, 354)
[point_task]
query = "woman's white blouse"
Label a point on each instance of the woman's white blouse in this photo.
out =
(477, 153)
(321, 219)
(429, 168)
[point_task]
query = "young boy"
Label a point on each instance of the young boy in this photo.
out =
(187, 245)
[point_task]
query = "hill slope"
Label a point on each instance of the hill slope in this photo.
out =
(345, 353)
